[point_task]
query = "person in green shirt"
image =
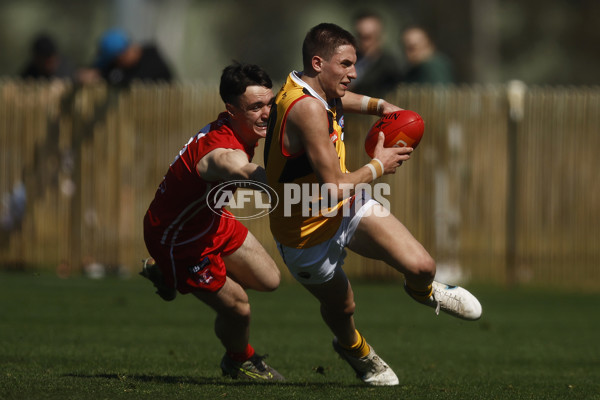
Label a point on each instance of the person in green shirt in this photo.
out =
(425, 63)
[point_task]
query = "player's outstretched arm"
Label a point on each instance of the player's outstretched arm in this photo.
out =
(361, 104)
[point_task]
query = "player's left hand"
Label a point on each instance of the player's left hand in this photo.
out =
(387, 108)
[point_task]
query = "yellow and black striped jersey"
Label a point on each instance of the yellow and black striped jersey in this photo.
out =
(292, 222)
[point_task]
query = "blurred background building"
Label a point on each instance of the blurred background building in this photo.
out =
(488, 41)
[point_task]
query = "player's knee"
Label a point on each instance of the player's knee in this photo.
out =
(271, 280)
(241, 310)
(349, 309)
(423, 268)
(345, 309)
(271, 284)
(235, 306)
(274, 278)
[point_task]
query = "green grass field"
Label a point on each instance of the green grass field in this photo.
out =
(114, 339)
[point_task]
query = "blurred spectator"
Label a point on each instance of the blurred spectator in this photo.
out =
(426, 64)
(378, 70)
(120, 61)
(12, 208)
(46, 61)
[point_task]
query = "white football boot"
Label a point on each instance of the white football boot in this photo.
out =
(371, 369)
(453, 300)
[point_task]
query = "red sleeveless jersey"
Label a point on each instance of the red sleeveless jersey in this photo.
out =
(179, 212)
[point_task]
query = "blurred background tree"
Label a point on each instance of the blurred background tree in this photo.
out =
(540, 42)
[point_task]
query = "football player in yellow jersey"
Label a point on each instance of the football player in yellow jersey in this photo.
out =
(304, 122)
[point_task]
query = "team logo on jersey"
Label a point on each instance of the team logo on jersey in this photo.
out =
(244, 199)
(200, 273)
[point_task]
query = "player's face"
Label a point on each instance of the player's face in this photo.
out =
(337, 72)
(250, 115)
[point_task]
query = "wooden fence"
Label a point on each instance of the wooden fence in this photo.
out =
(495, 199)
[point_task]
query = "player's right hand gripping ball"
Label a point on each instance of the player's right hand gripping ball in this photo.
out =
(402, 128)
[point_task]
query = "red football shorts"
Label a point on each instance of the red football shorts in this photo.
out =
(196, 265)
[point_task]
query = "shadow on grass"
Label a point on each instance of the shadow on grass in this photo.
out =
(203, 381)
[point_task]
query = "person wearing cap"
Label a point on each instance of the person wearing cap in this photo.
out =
(120, 61)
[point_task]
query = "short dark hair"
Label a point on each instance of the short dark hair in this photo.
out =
(363, 14)
(237, 77)
(415, 26)
(322, 40)
(43, 46)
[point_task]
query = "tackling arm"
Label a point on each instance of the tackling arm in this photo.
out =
(229, 164)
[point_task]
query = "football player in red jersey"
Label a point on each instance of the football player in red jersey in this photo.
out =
(204, 251)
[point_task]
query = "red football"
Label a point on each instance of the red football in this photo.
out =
(402, 128)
